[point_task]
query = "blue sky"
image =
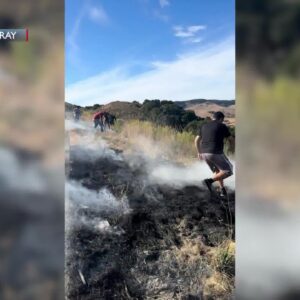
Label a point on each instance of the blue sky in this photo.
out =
(138, 49)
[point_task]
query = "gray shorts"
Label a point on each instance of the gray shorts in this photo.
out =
(218, 162)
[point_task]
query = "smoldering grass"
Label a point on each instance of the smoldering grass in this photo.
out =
(102, 203)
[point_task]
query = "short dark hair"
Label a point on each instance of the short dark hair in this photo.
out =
(218, 115)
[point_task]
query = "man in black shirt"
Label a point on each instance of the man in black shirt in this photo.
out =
(209, 144)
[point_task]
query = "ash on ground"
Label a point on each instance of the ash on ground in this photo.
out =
(130, 238)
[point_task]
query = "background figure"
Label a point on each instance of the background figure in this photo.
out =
(98, 120)
(77, 113)
(106, 120)
(111, 119)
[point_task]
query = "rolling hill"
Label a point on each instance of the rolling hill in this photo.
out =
(202, 108)
(223, 103)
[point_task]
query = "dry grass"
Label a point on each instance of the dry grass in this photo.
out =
(158, 141)
(209, 270)
(202, 270)
(218, 286)
(221, 261)
(223, 258)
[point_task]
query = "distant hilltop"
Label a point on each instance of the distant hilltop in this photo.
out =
(187, 103)
(184, 104)
(203, 108)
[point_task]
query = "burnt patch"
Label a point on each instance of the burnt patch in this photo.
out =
(126, 260)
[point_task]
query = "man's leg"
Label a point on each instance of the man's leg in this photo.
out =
(221, 176)
(225, 168)
(222, 169)
(220, 181)
(209, 181)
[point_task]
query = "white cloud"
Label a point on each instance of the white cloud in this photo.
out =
(72, 41)
(164, 3)
(205, 73)
(98, 14)
(188, 31)
(194, 40)
(196, 28)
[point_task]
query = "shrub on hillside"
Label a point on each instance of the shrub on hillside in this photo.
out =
(166, 113)
(93, 107)
(194, 126)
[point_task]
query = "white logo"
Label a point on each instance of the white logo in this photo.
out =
(9, 35)
(14, 35)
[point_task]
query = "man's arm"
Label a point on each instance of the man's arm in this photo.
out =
(197, 145)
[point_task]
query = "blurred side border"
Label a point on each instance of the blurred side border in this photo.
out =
(267, 149)
(32, 152)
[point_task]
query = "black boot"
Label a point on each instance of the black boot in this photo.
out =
(208, 182)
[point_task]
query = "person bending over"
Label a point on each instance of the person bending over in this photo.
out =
(98, 120)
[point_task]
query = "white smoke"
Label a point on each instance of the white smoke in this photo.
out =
(89, 139)
(78, 197)
(72, 125)
(181, 176)
(103, 199)
(101, 149)
(93, 147)
(167, 173)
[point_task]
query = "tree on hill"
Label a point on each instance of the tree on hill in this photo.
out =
(94, 107)
(194, 126)
(166, 113)
(189, 116)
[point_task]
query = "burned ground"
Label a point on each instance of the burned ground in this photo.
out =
(133, 254)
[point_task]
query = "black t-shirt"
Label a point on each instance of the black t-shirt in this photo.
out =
(212, 137)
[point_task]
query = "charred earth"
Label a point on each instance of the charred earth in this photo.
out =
(146, 240)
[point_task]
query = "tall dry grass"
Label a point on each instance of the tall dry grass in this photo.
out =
(158, 140)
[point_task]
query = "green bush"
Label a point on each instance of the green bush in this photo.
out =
(166, 113)
(194, 126)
